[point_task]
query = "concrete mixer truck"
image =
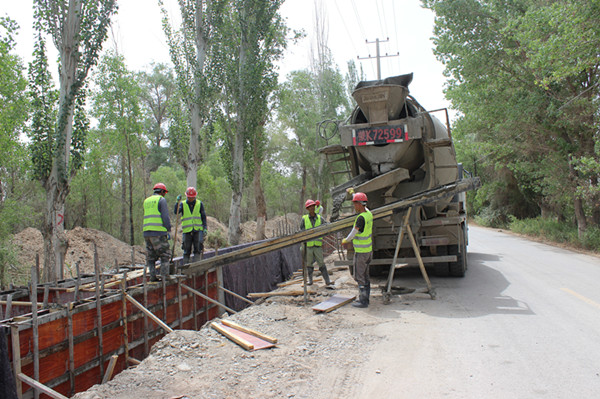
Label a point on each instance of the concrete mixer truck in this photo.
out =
(393, 148)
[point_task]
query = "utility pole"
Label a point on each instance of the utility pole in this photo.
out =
(378, 56)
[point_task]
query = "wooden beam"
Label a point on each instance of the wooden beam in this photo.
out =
(240, 341)
(236, 295)
(209, 299)
(148, 313)
(38, 385)
(278, 293)
(249, 331)
(110, 368)
(421, 198)
(16, 354)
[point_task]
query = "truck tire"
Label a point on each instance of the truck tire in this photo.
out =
(458, 268)
(441, 269)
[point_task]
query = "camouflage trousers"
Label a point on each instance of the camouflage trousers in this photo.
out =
(158, 248)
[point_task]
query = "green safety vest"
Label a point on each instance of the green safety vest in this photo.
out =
(363, 242)
(307, 225)
(191, 220)
(152, 219)
(318, 209)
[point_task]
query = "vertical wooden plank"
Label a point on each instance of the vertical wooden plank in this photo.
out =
(206, 303)
(125, 319)
(71, 348)
(145, 284)
(195, 305)
(99, 311)
(16, 352)
(180, 308)
(164, 298)
(220, 293)
(46, 294)
(77, 282)
(36, 338)
(9, 306)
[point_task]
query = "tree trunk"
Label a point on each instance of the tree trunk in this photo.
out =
(261, 206)
(53, 230)
(577, 202)
(130, 175)
(235, 231)
(123, 224)
(191, 170)
(302, 192)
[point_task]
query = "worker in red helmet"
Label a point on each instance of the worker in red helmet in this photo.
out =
(157, 227)
(314, 248)
(318, 207)
(361, 237)
(193, 222)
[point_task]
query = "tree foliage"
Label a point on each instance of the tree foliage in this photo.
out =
(525, 79)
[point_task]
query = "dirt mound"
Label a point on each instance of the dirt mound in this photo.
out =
(276, 227)
(30, 242)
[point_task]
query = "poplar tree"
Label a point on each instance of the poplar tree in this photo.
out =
(78, 28)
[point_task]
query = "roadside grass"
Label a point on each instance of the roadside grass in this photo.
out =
(558, 232)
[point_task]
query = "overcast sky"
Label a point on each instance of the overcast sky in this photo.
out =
(402, 26)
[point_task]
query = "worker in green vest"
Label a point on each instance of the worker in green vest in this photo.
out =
(361, 237)
(314, 248)
(157, 227)
(318, 207)
(193, 222)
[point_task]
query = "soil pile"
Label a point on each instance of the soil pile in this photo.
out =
(80, 249)
(276, 227)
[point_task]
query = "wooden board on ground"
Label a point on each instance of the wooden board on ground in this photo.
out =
(333, 303)
(239, 337)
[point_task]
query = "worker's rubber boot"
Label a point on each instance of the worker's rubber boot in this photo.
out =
(363, 298)
(367, 293)
(325, 275)
(310, 276)
(185, 260)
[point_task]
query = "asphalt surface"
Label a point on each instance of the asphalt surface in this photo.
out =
(523, 323)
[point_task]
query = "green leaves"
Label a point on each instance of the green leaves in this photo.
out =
(524, 74)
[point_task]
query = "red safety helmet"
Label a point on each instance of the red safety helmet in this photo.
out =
(359, 197)
(191, 192)
(309, 202)
(317, 202)
(160, 186)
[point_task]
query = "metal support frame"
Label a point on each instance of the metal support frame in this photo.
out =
(387, 294)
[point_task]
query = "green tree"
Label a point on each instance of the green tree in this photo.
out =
(14, 207)
(526, 82)
(252, 39)
(78, 29)
(189, 48)
(116, 105)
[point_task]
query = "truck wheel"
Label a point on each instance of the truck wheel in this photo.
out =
(441, 269)
(458, 268)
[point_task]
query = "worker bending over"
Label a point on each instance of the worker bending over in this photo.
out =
(193, 222)
(157, 226)
(314, 248)
(362, 241)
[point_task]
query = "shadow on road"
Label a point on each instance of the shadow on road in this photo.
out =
(479, 293)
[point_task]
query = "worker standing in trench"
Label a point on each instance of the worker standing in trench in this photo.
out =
(361, 236)
(193, 222)
(314, 248)
(157, 227)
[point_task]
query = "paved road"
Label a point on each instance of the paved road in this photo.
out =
(523, 323)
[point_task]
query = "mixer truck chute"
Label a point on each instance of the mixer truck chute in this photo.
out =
(393, 148)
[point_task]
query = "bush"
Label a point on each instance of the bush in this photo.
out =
(556, 231)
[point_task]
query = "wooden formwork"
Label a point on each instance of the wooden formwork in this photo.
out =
(76, 340)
